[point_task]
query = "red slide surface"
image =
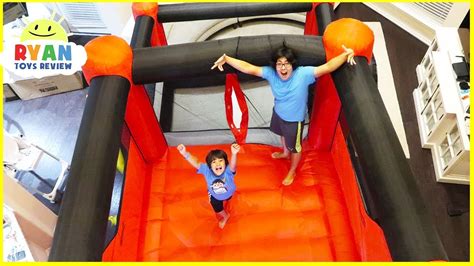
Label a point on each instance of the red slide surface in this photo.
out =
(306, 221)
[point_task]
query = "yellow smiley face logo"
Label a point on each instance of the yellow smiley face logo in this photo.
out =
(44, 29)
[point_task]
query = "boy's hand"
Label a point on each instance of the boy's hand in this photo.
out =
(350, 55)
(235, 148)
(219, 63)
(182, 149)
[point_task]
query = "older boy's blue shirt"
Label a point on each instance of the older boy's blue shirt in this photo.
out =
(227, 178)
(291, 96)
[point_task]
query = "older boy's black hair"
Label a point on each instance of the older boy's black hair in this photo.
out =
(216, 154)
(286, 52)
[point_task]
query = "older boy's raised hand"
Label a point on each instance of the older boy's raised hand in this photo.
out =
(182, 149)
(350, 55)
(219, 63)
(235, 148)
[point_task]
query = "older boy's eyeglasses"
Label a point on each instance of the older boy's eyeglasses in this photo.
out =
(280, 65)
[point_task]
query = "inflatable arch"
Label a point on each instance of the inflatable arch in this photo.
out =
(164, 212)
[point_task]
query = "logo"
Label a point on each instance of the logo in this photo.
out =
(42, 50)
(44, 29)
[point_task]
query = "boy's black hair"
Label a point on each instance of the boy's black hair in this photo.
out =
(286, 52)
(216, 154)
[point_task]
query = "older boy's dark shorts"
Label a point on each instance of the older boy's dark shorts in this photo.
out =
(291, 131)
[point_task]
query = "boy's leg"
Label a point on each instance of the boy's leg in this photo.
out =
(295, 160)
(221, 214)
(282, 155)
(223, 217)
(294, 134)
(275, 127)
(227, 205)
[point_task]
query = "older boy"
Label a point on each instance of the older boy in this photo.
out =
(289, 84)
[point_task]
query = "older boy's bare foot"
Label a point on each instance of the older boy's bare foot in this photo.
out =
(223, 221)
(280, 155)
(289, 179)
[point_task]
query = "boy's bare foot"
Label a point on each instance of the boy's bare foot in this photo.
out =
(280, 155)
(289, 179)
(223, 221)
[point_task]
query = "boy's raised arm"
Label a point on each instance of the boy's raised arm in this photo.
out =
(187, 156)
(235, 148)
(240, 65)
(336, 62)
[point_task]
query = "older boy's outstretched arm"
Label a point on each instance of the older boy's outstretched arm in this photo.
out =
(336, 62)
(187, 156)
(240, 65)
(235, 148)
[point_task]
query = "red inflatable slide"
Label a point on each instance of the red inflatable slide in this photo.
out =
(168, 217)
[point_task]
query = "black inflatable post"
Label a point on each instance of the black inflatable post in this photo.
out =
(407, 225)
(193, 60)
(201, 11)
(167, 103)
(82, 222)
(324, 16)
(142, 32)
(141, 37)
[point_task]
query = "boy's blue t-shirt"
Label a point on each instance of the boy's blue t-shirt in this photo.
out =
(291, 95)
(223, 189)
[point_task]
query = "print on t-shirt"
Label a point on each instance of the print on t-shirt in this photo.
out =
(226, 187)
(218, 186)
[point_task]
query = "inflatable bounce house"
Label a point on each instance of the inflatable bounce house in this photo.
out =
(329, 213)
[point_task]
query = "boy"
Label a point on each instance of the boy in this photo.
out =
(219, 174)
(289, 84)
